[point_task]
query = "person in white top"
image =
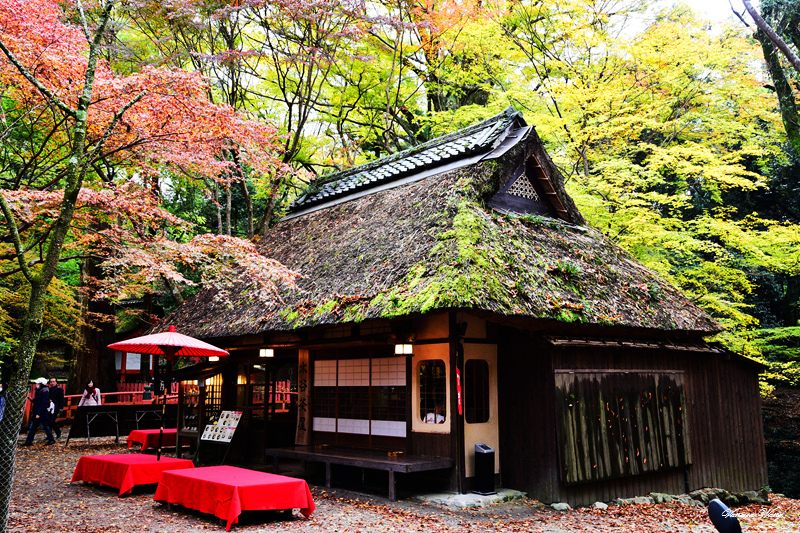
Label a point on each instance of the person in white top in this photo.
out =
(437, 416)
(91, 395)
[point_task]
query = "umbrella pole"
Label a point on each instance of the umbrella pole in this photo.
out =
(163, 411)
(161, 429)
(170, 353)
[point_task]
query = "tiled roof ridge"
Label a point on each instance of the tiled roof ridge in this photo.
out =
(335, 185)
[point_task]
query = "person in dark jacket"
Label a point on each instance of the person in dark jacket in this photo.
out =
(57, 397)
(3, 388)
(39, 413)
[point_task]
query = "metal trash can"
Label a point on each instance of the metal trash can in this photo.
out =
(484, 469)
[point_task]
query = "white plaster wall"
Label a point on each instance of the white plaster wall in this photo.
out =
(487, 432)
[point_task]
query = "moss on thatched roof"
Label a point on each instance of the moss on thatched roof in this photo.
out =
(432, 245)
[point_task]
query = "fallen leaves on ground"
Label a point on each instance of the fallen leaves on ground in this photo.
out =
(44, 499)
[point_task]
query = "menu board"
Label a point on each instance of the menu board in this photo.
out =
(223, 428)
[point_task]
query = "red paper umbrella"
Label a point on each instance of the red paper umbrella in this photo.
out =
(170, 344)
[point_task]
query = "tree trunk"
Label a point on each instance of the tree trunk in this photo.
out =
(144, 361)
(786, 97)
(249, 205)
(218, 207)
(19, 371)
(93, 360)
(248, 200)
(228, 209)
(767, 32)
(263, 224)
(19, 386)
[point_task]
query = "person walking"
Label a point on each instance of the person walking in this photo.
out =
(39, 412)
(91, 395)
(57, 397)
(2, 399)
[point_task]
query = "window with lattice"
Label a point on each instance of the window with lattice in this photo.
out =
(523, 188)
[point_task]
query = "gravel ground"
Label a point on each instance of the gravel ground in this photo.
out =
(44, 499)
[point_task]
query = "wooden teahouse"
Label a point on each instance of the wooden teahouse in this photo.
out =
(453, 296)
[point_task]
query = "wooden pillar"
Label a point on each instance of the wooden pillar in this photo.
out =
(392, 487)
(457, 420)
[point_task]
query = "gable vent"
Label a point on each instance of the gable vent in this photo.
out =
(522, 187)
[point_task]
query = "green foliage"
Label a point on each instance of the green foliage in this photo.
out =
(777, 344)
(668, 138)
(565, 269)
(61, 315)
(776, 348)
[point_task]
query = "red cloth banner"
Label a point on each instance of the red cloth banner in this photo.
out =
(458, 390)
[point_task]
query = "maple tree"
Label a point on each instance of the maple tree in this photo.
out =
(208, 38)
(84, 149)
(425, 58)
(273, 59)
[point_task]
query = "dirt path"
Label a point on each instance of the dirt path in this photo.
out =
(44, 499)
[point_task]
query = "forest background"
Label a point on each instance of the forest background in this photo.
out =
(175, 133)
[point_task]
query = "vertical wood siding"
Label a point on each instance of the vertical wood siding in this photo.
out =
(723, 413)
(617, 424)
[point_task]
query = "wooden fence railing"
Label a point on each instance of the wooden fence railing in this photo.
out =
(130, 393)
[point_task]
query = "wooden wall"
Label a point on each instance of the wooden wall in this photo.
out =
(724, 412)
(616, 423)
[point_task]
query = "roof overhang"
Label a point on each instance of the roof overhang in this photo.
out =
(695, 347)
(203, 370)
(638, 344)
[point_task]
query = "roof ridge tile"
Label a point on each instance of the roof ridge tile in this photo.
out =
(440, 150)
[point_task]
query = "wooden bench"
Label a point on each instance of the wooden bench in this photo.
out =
(371, 459)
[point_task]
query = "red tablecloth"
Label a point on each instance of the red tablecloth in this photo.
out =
(148, 438)
(125, 470)
(226, 491)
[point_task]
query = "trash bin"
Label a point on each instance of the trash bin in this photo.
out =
(484, 469)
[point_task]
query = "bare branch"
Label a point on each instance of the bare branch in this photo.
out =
(774, 37)
(84, 24)
(11, 272)
(738, 15)
(23, 267)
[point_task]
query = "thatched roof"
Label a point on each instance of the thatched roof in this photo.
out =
(426, 241)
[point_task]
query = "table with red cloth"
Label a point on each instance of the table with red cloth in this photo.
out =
(226, 491)
(148, 438)
(124, 471)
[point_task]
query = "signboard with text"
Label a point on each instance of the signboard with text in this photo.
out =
(222, 429)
